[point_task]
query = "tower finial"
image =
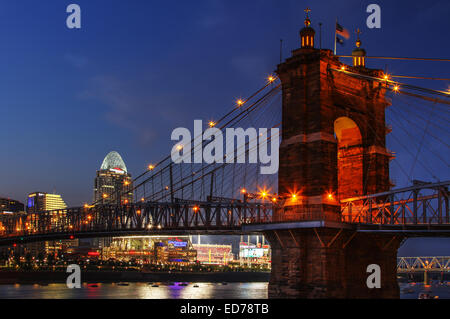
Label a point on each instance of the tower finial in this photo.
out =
(307, 10)
(307, 21)
(358, 41)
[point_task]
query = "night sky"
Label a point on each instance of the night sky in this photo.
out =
(138, 69)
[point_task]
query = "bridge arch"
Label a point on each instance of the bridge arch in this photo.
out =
(349, 157)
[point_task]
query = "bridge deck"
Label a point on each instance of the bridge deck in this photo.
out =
(418, 211)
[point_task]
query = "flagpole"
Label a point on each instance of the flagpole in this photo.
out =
(335, 35)
(320, 35)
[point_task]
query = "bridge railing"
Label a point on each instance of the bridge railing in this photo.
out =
(420, 204)
(139, 217)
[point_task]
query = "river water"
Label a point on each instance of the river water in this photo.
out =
(177, 291)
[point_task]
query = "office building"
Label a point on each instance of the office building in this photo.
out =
(113, 184)
(41, 202)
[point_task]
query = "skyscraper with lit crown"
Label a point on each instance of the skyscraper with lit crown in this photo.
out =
(113, 184)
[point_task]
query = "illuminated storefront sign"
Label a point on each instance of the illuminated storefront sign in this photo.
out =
(177, 243)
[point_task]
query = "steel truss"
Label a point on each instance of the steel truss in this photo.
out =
(424, 204)
(422, 264)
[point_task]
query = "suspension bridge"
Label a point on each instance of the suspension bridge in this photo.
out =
(335, 197)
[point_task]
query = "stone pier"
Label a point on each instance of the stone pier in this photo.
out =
(331, 263)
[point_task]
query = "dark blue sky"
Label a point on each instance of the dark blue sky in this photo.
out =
(138, 69)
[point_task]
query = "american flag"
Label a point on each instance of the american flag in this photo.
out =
(340, 30)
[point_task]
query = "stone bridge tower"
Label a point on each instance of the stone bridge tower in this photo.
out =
(333, 147)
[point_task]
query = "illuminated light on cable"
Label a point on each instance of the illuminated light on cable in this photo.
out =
(396, 88)
(240, 102)
(271, 78)
(386, 77)
(212, 123)
(151, 167)
(263, 194)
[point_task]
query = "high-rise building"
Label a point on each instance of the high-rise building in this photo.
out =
(41, 202)
(113, 183)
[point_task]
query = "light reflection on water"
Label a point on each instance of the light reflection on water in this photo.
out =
(412, 290)
(137, 291)
(176, 291)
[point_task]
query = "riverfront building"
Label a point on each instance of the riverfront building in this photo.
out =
(9, 206)
(41, 202)
(214, 254)
(151, 250)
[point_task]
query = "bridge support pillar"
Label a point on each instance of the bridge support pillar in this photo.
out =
(331, 263)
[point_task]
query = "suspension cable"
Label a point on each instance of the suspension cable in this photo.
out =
(398, 58)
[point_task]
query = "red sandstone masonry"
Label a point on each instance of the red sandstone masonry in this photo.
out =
(325, 262)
